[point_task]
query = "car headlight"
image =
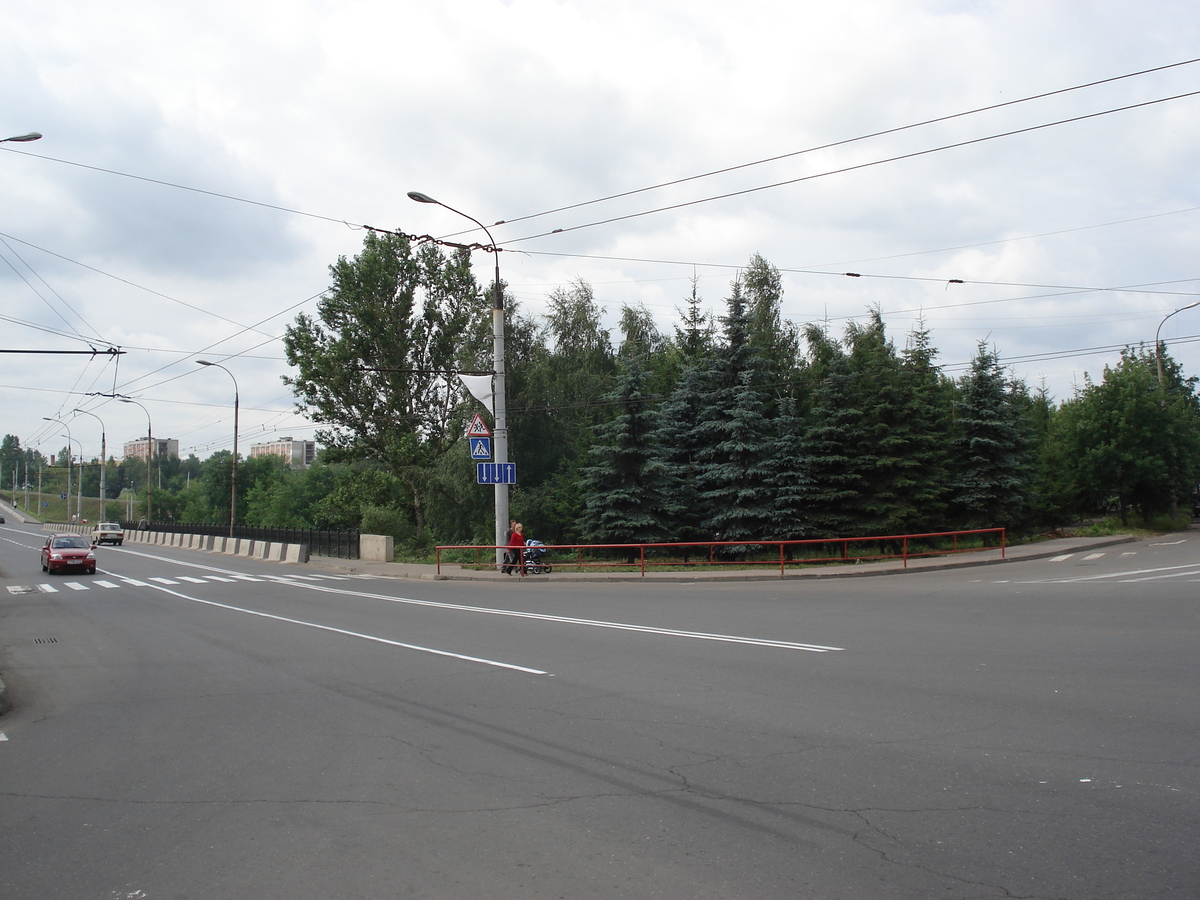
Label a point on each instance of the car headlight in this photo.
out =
(91, 555)
(56, 556)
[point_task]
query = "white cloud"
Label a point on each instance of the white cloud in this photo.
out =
(507, 109)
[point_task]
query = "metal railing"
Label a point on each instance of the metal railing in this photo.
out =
(816, 551)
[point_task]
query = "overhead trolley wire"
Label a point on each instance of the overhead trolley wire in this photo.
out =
(853, 168)
(847, 141)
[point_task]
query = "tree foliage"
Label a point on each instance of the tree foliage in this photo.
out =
(374, 365)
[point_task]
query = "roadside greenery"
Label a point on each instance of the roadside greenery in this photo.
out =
(738, 427)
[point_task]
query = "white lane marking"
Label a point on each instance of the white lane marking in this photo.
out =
(219, 578)
(570, 620)
(47, 589)
(3, 736)
(1191, 568)
(1169, 543)
(246, 578)
(134, 582)
(289, 579)
(104, 584)
(76, 586)
(164, 581)
(356, 634)
(191, 579)
(1159, 577)
(1062, 558)
(1093, 556)
(1129, 553)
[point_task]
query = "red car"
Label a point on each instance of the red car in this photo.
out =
(68, 553)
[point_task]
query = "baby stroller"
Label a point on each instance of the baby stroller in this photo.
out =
(533, 554)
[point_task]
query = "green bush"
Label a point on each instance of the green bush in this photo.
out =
(385, 520)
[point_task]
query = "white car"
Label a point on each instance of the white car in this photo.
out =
(108, 533)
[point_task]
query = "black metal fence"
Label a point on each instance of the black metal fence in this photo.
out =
(340, 544)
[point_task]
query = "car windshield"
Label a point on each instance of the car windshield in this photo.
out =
(71, 542)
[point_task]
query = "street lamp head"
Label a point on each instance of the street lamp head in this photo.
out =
(22, 138)
(421, 198)
(205, 362)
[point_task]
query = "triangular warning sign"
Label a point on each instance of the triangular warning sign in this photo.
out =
(478, 428)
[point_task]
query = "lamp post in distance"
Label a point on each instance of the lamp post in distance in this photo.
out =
(500, 425)
(1158, 346)
(233, 470)
(149, 452)
(103, 459)
(69, 452)
(78, 482)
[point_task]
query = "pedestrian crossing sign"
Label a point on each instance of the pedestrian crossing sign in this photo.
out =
(478, 428)
(481, 448)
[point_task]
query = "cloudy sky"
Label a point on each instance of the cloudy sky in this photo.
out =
(706, 123)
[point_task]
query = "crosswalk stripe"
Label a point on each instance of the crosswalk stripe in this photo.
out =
(220, 578)
(164, 581)
(76, 586)
(191, 579)
(1062, 558)
(1093, 556)
(105, 584)
(47, 589)
(135, 582)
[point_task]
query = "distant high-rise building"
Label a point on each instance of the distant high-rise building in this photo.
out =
(298, 453)
(140, 448)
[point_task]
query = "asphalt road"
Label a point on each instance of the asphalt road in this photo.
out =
(189, 725)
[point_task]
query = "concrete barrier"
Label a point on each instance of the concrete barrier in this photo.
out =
(376, 547)
(212, 543)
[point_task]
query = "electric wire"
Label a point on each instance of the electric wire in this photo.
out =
(847, 141)
(852, 168)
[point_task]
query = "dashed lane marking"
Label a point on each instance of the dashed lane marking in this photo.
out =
(76, 586)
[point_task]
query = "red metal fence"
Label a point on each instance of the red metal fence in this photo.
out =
(743, 553)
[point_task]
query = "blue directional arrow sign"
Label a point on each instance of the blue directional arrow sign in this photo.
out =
(496, 473)
(481, 448)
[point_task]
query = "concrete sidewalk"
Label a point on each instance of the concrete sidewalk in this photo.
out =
(1039, 550)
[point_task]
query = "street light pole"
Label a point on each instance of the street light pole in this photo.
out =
(233, 470)
(103, 460)
(21, 138)
(149, 453)
(78, 481)
(1158, 346)
(500, 426)
(69, 452)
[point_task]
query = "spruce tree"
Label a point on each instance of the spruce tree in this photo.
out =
(734, 477)
(629, 487)
(991, 447)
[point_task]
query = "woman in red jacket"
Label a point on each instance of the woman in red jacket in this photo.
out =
(516, 553)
